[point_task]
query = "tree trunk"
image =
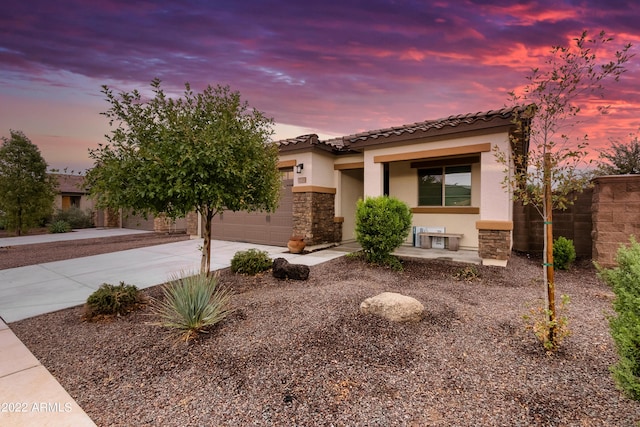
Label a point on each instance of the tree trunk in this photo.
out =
(19, 220)
(205, 264)
(548, 223)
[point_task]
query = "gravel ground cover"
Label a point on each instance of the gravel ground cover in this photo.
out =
(301, 354)
(21, 255)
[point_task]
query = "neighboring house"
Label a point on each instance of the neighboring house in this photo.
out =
(445, 170)
(71, 191)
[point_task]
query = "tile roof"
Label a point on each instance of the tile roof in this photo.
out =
(70, 183)
(432, 127)
(448, 122)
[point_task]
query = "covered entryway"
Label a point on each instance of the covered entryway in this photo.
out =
(258, 227)
(352, 186)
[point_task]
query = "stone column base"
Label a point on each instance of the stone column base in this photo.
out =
(494, 242)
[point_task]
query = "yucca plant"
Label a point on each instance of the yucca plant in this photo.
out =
(59, 227)
(192, 303)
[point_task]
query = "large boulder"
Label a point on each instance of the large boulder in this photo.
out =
(393, 306)
(282, 269)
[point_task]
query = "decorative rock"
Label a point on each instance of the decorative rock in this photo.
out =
(393, 306)
(282, 269)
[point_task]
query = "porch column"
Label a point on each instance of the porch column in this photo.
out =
(314, 215)
(373, 177)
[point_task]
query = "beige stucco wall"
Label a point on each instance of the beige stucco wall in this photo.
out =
(488, 195)
(317, 169)
(403, 185)
(352, 188)
(85, 202)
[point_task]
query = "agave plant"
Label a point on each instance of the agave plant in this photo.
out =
(192, 303)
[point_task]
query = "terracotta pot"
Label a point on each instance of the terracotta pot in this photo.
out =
(296, 245)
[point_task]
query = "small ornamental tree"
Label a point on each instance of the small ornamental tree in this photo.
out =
(26, 190)
(206, 152)
(382, 224)
(548, 174)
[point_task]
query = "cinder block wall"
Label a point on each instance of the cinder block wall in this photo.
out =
(616, 215)
(575, 223)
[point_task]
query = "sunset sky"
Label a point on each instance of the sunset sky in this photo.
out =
(331, 68)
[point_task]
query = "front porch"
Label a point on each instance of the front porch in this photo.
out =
(462, 256)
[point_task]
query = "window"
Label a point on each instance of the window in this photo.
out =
(70, 201)
(286, 173)
(445, 186)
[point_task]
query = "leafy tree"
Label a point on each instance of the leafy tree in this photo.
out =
(26, 190)
(621, 159)
(204, 151)
(548, 175)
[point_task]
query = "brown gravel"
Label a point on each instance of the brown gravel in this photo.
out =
(300, 353)
(20, 255)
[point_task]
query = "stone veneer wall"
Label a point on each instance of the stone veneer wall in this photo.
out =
(161, 224)
(314, 218)
(111, 218)
(616, 215)
(192, 223)
(494, 244)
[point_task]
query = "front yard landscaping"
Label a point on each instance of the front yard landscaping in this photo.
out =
(301, 353)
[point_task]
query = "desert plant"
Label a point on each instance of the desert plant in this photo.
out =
(75, 217)
(467, 274)
(625, 326)
(59, 227)
(113, 300)
(538, 321)
(382, 224)
(192, 303)
(250, 262)
(564, 253)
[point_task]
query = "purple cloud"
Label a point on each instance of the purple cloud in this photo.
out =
(339, 66)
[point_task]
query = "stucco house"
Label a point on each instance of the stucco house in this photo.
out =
(445, 170)
(72, 192)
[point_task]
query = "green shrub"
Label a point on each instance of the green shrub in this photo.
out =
(59, 227)
(193, 303)
(625, 327)
(564, 253)
(251, 262)
(382, 224)
(75, 217)
(113, 300)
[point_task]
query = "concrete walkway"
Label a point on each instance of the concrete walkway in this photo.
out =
(29, 394)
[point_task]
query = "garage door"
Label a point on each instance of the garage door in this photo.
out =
(257, 227)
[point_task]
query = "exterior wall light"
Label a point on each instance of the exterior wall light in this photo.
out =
(299, 167)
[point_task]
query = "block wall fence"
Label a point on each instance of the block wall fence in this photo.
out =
(602, 219)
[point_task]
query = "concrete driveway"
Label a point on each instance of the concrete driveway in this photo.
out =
(43, 288)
